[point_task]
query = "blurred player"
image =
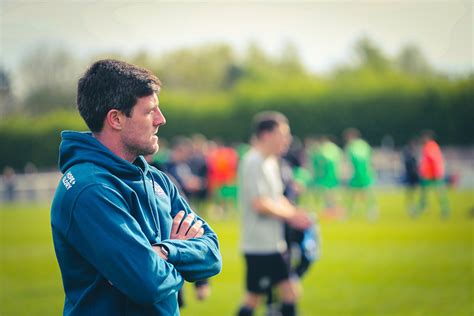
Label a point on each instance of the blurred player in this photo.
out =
(432, 172)
(265, 210)
(359, 154)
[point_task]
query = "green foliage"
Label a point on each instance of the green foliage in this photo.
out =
(412, 61)
(394, 266)
(391, 103)
(208, 90)
(369, 55)
(202, 68)
(49, 76)
(35, 139)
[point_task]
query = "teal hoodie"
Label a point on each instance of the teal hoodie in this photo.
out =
(106, 215)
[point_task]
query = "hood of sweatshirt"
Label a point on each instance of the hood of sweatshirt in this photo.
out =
(83, 147)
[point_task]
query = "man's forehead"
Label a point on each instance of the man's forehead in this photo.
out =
(155, 99)
(284, 127)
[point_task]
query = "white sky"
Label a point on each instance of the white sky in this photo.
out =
(323, 31)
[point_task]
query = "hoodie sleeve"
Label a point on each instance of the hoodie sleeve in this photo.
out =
(196, 258)
(102, 230)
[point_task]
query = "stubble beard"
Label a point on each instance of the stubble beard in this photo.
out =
(138, 149)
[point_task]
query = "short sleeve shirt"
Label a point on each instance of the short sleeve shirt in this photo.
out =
(259, 176)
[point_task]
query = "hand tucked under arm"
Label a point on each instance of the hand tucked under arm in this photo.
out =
(193, 247)
(183, 230)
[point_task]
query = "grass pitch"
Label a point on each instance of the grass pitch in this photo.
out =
(393, 266)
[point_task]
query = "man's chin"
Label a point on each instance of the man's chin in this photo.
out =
(150, 151)
(155, 146)
(154, 150)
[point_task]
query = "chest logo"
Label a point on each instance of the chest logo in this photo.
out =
(159, 190)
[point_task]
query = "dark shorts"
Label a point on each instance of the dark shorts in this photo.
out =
(265, 271)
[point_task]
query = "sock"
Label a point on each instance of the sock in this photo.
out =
(288, 309)
(245, 311)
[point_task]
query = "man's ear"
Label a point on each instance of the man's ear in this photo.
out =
(115, 119)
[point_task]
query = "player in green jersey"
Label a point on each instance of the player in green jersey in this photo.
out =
(359, 154)
(326, 159)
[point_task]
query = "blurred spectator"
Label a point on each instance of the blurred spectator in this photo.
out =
(9, 181)
(30, 171)
(411, 178)
(193, 186)
(197, 162)
(359, 154)
(432, 173)
(222, 162)
(295, 160)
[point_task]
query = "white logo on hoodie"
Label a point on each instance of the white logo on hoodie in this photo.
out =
(68, 180)
(159, 190)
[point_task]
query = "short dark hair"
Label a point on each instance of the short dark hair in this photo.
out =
(351, 133)
(267, 121)
(427, 134)
(112, 84)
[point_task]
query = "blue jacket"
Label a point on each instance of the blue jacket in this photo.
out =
(106, 215)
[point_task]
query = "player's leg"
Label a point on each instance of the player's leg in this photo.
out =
(372, 208)
(409, 199)
(258, 281)
(203, 289)
(288, 288)
(423, 197)
(289, 296)
(251, 302)
(442, 195)
(351, 194)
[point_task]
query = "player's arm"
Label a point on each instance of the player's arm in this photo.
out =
(267, 206)
(255, 186)
(282, 209)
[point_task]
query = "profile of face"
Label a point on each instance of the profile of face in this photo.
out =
(280, 139)
(139, 132)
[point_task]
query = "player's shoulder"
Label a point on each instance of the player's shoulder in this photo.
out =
(252, 157)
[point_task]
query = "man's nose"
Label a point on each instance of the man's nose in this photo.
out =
(160, 119)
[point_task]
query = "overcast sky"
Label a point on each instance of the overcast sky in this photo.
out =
(323, 31)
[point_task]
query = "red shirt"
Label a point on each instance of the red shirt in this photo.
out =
(432, 163)
(222, 167)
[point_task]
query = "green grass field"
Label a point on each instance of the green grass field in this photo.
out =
(394, 266)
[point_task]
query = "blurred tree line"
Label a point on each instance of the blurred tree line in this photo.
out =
(211, 90)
